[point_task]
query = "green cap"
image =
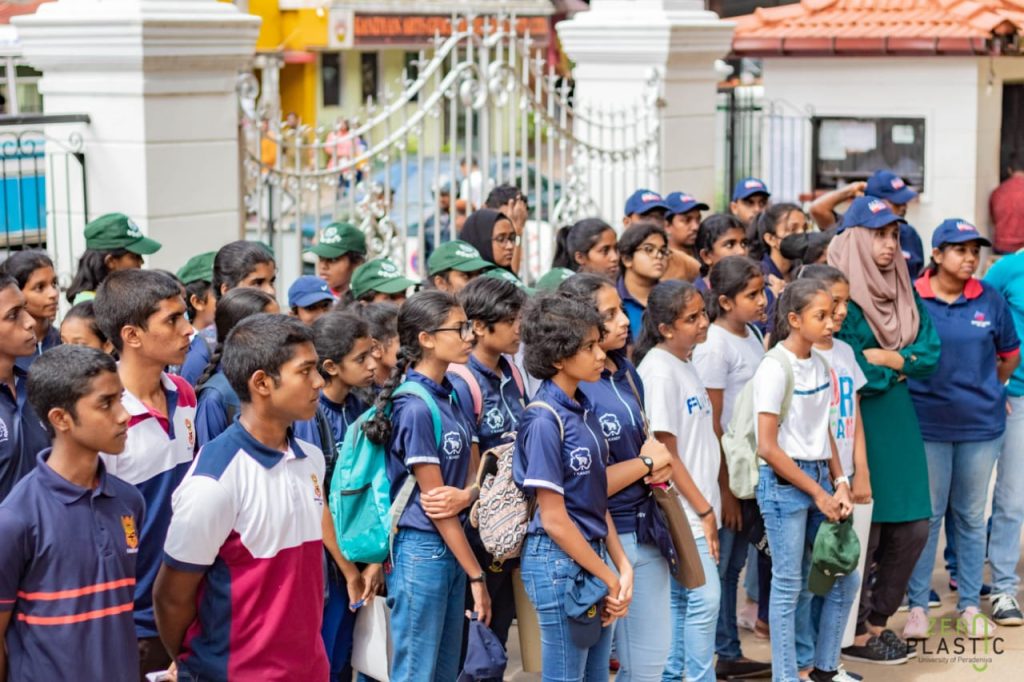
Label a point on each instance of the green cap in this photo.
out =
(503, 274)
(836, 553)
(118, 231)
(554, 277)
(456, 255)
(198, 268)
(381, 275)
(337, 239)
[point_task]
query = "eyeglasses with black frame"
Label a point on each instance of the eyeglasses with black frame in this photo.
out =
(465, 330)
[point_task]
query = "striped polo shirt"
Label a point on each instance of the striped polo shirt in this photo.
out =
(67, 571)
(156, 457)
(249, 517)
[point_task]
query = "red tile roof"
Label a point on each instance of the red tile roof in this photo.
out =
(877, 27)
(13, 8)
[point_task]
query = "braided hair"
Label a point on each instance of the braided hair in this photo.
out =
(421, 312)
(235, 306)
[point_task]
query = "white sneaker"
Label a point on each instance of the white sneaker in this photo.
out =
(975, 624)
(917, 624)
(1006, 610)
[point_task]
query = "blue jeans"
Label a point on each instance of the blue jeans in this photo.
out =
(791, 520)
(1008, 505)
(547, 571)
(958, 476)
(642, 638)
(732, 554)
(694, 617)
(426, 594)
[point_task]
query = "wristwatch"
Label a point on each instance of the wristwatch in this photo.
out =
(841, 479)
(479, 579)
(650, 464)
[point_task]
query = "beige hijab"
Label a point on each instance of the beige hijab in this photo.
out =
(885, 296)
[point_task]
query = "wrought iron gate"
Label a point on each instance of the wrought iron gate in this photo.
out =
(481, 99)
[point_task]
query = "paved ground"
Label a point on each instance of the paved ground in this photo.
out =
(933, 664)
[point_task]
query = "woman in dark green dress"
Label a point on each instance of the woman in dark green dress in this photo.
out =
(893, 338)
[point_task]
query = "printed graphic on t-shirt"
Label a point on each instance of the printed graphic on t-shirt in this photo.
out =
(580, 461)
(610, 426)
(698, 403)
(451, 444)
(131, 535)
(494, 419)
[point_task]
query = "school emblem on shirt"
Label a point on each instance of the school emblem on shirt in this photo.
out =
(494, 419)
(317, 497)
(580, 460)
(131, 536)
(451, 444)
(980, 321)
(4, 435)
(190, 432)
(610, 426)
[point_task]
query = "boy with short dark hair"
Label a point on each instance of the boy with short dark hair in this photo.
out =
(252, 506)
(143, 314)
(69, 532)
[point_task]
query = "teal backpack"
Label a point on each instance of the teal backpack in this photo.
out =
(365, 519)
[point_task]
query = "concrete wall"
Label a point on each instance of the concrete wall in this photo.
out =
(962, 117)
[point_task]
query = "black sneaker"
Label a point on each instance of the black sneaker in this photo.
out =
(894, 641)
(1006, 610)
(839, 675)
(875, 651)
(742, 669)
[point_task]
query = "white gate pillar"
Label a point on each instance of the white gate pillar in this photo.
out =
(616, 45)
(157, 79)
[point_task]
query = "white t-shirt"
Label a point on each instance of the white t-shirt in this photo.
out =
(726, 361)
(847, 378)
(678, 404)
(804, 433)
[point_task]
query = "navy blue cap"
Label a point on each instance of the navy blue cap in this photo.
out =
(583, 605)
(681, 202)
(748, 187)
(308, 290)
(957, 231)
(485, 656)
(870, 212)
(644, 200)
(885, 184)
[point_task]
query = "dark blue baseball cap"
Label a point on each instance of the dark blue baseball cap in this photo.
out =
(957, 231)
(643, 201)
(748, 187)
(681, 202)
(870, 212)
(584, 601)
(485, 656)
(308, 290)
(885, 184)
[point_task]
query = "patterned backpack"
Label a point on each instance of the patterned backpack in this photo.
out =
(502, 513)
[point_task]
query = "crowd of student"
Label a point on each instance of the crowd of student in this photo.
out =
(175, 509)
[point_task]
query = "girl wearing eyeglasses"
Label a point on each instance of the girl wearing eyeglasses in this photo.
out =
(431, 559)
(493, 235)
(643, 257)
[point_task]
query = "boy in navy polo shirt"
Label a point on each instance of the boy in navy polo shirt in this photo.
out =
(240, 595)
(22, 435)
(143, 314)
(69, 533)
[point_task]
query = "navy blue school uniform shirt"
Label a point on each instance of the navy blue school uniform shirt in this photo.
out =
(633, 308)
(574, 467)
(51, 339)
(216, 398)
(913, 250)
(198, 356)
(619, 412)
(413, 442)
(339, 417)
(768, 267)
(22, 434)
(67, 571)
(502, 402)
(964, 400)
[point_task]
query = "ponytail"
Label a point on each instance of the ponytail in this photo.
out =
(421, 312)
(562, 258)
(665, 303)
